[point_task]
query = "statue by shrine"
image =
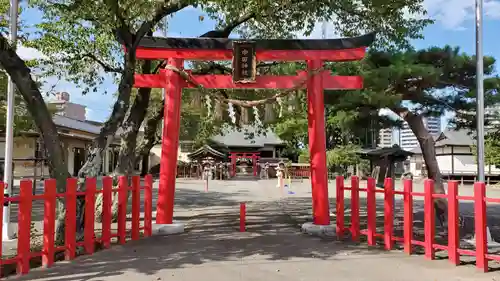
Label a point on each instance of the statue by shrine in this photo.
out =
(226, 167)
(280, 174)
(220, 172)
(264, 172)
(207, 171)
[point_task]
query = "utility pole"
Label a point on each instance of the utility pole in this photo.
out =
(9, 126)
(480, 91)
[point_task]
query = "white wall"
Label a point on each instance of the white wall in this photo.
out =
(155, 155)
(456, 164)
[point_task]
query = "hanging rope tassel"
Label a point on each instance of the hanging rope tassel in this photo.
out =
(280, 104)
(232, 114)
(256, 116)
(209, 105)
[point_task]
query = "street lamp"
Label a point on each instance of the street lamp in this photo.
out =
(9, 128)
(480, 90)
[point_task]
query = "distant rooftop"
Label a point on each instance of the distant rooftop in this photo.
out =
(457, 138)
(450, 137)
(74, 124)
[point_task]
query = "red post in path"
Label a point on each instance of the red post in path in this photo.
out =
(317, 145)
(254, 164)
(233, 164)
(243, 213)
(170, 143)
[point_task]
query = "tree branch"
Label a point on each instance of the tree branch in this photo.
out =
(105, 66)
(115, 8)
(159, 14)
(224, 33)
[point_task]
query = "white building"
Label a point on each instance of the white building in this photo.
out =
(454, 155)
(385, 137)
(409, 141)
(75, 133)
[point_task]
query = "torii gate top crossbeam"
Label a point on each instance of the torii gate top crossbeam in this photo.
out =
(342, 49)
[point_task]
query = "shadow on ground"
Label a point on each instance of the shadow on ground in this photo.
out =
(210, 238)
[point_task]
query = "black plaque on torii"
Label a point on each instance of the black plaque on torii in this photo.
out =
(244, 61)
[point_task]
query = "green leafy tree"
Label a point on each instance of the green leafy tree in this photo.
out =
(342, 157)
(304, 156)
(22, 120)
(395, 29)
(75, 31)
(491, 151)
(415, 84)
(78, 39)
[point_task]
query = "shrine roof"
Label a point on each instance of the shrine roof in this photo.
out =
(205, 151)
(455, 138)
(151, 42)
(247, 137)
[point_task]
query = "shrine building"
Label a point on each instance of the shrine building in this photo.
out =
(267, 147)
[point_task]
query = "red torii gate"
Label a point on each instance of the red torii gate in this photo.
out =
(314, 52)
(249, 155)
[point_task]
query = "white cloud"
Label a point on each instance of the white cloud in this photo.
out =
(26, 53)
(452, 14)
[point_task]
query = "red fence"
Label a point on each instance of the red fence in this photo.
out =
(299, 172)
(454, 251)
(25, 201)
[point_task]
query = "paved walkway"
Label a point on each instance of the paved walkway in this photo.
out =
(245, 257)
(273, 249)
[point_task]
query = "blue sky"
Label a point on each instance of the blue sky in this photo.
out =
(454, 26)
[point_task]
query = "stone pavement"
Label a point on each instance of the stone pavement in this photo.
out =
(272, 249)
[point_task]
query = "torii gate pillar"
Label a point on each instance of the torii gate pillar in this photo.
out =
(317, 145)
(170, 143)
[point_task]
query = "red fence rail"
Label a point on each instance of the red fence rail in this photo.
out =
(430, 246)
(50, 196)
(299, 172)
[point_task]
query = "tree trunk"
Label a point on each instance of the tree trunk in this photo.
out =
(427, 145)
(106, 136)
(127, 155)
(35, 104)
(150, 133)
